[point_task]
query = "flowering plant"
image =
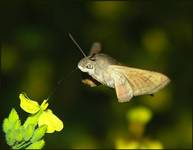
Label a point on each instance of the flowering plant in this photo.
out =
(41, 120)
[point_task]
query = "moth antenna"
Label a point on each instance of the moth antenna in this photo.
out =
(71, 37)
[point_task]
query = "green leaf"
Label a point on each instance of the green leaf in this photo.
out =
(18, 135)
(6, 125)
(16, 125)
(36, 145)
(10, 138)
(13, 116)
(39, 133)
(12, 122)
(28, 131)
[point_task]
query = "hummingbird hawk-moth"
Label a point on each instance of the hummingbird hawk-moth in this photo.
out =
(127, 81)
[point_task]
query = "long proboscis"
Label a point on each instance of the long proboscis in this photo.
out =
(60, 82)
(71, 37)
(65, 77)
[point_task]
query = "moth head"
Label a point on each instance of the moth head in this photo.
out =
(87, 64)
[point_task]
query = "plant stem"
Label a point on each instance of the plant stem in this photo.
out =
(21, 145)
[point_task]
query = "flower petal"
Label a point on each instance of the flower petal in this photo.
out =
(44, 105)
(28, 105)
(52, 121)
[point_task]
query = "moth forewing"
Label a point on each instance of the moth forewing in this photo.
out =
(142, 81)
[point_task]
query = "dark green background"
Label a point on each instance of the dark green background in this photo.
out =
(36, 52)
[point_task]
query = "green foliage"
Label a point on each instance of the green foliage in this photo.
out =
(6, 125)
(30, 134)
(39, 133)
(28, 131)
(27, 135)
(12, 121)
(10, 138)
(36, 145)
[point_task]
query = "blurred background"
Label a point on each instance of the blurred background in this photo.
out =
(36, 52)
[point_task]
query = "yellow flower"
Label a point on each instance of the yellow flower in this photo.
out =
(134, 144)
(123, 144)
(46, 117)
(28, 105)
(53, 122)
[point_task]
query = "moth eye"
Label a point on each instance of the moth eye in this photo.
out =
(89, 66)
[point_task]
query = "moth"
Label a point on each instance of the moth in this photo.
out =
(127, 81)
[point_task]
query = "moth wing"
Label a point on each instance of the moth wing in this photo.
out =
(142, 81)
(95, 48)
(123, 89)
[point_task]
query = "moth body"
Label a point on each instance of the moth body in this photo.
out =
(127, 81)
